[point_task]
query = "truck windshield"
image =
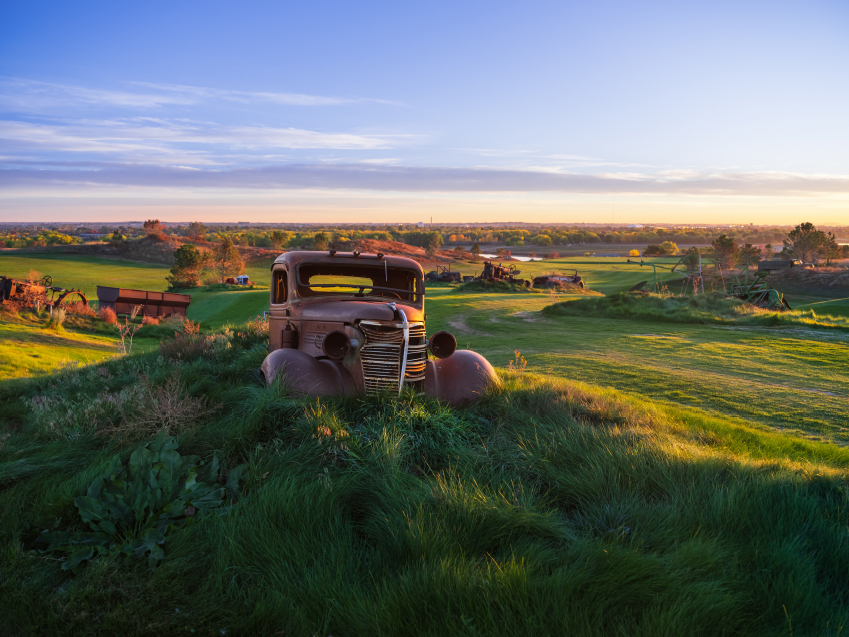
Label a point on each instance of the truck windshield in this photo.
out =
(318, 279)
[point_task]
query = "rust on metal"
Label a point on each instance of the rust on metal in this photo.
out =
(493, 273)
(347, 323)
(558, 280)
(159, 304)
(32, 294)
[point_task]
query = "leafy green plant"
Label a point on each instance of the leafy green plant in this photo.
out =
(133, 508)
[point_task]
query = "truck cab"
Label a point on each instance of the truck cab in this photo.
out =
(345, 323)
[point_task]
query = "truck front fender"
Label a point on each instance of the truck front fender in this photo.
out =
(307, 375)
(460, 379)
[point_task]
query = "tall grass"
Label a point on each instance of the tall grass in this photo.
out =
(710, 308)
(56, 320)
(547, 508)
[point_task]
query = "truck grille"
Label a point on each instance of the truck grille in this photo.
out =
(381, 355)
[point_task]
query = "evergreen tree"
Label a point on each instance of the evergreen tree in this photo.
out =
(189, 263)
(725, 251)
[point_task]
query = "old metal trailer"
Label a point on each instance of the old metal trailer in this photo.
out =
(124, 301)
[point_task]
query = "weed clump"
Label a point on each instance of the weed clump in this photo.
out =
(131, 508)
(107, 315)
(156, 409)
(56, 319)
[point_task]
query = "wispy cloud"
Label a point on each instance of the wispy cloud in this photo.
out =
(247, 97)
(376, 177)
(28, 96)
(178, 141)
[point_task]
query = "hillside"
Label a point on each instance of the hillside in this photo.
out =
(551, 507)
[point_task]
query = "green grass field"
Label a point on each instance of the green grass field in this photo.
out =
(652, 472)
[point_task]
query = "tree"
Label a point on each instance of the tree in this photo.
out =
(153, 226)
(278, 238)
(320, 241)
(189, 263)
(749, 254)
(117, 236)
(476, 252)
(805, 242)
(197, 231)
(226, 259)
(691, 259)
(769, 251)
(725, 251)
(831, 250)
(667, 247)
(459, 253)
(434, 243)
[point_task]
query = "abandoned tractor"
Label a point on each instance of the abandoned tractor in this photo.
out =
(558, 281)
(443, 275)
(497, 273)
(38, 294)
(345, 323)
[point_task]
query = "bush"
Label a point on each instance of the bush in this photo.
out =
(150, 320)
(80, 309)
(107, 315)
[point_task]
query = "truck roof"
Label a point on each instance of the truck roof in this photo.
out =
(296, 257)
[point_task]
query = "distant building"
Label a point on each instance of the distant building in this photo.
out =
(636, 225)
(420, 225)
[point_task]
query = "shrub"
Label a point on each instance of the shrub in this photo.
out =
(107, 315)
(80, 309)
(150, 320)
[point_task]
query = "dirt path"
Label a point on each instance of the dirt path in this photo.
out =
(459, 324)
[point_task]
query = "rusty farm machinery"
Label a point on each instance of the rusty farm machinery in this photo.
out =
(751, 288)
(499, 274)
(558, 280)
(756, 291)
(37, 294)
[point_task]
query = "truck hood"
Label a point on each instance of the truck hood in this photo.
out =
(350, 311)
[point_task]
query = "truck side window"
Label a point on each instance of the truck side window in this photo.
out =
(279, 286)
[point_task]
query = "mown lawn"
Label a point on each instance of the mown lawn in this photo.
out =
(790, 378)
(27, 348)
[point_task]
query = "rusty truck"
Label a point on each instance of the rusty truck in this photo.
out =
(346, 323)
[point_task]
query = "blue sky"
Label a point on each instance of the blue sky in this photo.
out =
(463, 111)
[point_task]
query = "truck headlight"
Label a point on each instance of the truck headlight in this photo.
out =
(442, 344)
(336, 345)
